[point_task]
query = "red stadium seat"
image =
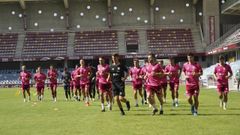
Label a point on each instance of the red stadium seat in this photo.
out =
(131, 37)
(8, 43)
(170, 40)
(45, 44)
(96, 42)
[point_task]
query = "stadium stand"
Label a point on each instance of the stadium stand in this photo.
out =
(170, 40)
(9, 78)
(8, 44)
(96, 42)
(210, 81)
(76, 28)
(131, 37)
(132, 41)
(45, 44)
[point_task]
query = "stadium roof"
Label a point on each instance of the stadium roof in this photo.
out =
(231, 7)
(23, 5)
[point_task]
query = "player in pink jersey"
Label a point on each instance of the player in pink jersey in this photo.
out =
(173, 71)
(153, 79)
(222, 73)
(97, 85)
(84, 74)
(71, 87)
(163, 82)
(192, 71)
(25, 77)
(52, 75)
(136, 74)
(144, 81)
(104, 85)
(40, 78)
(76, 84)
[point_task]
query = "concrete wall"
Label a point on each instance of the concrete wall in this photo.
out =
(140, 9)
(211, 9)
(227, 22)
(9, 20)
(199, 8)
(46, 20)
(9, 65)
(181, 12)
(230, 19)
(89, 19)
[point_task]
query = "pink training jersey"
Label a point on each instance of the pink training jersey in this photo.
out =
(173, 71)
(164, 77)
(144, 69)
(25, 77)
(40, 79)
(189, 70)
(135, 73)
(84, 71)
(144, 73)
(52, 75)
(221, 73)
(97, 78)
(153, 80)
(103, 71)
(75, 79)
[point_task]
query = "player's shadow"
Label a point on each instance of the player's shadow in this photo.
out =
(137, 110)
(182, 105)
(208, 105)
(185, 114)
(157, 114)
(218, 114)
(177, 114)
(187, 106)
(143, 114)
(233, 108)
(178, 109)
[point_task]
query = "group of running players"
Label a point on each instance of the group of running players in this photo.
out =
(110, 81)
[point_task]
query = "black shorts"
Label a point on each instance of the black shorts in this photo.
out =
(66, 87)
(118, 88)
(25, 87)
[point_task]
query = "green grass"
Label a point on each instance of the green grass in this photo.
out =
(41, 118)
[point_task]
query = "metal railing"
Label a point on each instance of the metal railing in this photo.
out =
(228, 3)
(218, 42)
(118, 28)
(201, 32)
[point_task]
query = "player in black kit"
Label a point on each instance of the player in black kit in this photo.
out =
(118, 74)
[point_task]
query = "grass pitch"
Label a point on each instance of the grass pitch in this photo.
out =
(73, 118)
